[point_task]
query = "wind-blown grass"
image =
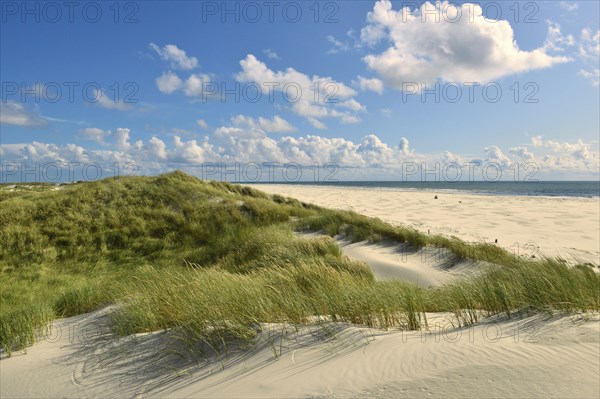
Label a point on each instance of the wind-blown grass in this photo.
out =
(216, 260)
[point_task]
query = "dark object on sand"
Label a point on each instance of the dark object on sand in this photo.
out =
(435, 197)
(496, 241)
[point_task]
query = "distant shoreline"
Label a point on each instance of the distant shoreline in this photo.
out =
(551, 189)
(555, 189)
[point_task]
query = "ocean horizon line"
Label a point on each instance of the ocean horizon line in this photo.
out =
(554, 188)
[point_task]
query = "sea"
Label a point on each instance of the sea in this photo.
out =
(586, 189)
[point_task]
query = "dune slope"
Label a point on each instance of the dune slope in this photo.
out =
(533, 356)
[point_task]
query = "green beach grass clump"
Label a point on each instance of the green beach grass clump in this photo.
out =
(215, 260)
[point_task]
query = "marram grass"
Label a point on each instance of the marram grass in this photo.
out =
(215, 260)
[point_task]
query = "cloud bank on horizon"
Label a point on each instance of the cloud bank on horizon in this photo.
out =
(398, 53)
(245, 141)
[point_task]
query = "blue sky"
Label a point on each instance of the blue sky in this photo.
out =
(161, 60)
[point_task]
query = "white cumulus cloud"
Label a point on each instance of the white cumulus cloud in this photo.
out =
(242, 142)
(175, 56)
(274, 125)
(14, 113)
(158, 148)
(369, 84)
(523, 153)
(447, 42)
(169, 82)
(95, 134)
(313, 97)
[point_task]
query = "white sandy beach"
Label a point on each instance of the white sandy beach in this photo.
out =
(551, 226)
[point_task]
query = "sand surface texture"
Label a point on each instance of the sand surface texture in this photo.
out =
(529, 356)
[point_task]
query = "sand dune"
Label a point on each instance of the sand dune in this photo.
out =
(392, 261)
(533, 356)
(525, 356)
(551, 226)
(426, 267)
